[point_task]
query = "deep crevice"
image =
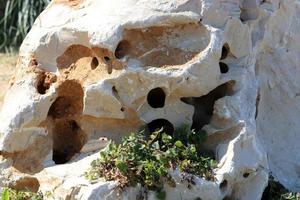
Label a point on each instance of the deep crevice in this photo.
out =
(41, 88)
(156, 98)
(204, 105)
(68, 137)
(225, 51)
(257, 103)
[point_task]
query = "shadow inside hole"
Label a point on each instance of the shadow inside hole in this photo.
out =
(106, 58)
(246, 175)
(122, 49)
(156, 98)
(44, 81)
(225, 51)
(275, 190)
(223, 67)
(41, 87)
(94, 63)
(204, 105)
(68, 138)
(159, 124)
(223, 185)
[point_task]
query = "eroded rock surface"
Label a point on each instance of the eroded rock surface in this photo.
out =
(92, 71)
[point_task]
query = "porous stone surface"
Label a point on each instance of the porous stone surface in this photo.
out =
(91, 71)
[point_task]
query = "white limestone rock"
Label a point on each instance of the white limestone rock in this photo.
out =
(93, 69)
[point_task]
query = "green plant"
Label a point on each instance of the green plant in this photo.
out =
(146, 161)
(10, 194)
(17, 21)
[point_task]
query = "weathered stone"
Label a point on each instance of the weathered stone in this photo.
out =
(102, 69)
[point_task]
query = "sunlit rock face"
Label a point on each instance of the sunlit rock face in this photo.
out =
(91, 71)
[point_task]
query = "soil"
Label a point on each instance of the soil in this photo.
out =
(7, 69)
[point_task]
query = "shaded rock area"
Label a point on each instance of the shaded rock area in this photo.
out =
(94, 71)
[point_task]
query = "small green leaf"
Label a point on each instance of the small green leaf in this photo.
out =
(5, 194)
(121, 166)
(178, 144)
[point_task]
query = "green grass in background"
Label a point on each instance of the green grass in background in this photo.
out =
(16, 20)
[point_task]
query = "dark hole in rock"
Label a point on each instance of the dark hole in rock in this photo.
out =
(225, 51)
(223, 67)
(275, 190)
(158, 124)
(44, 82)
(122, 49)
(223, 185)
(122, 109)
(68, 137)
(106, 58)
(267, 193)
(204, 105)
(41, 88)
(156, 98)
(246, 175)
(94, 63)
(115, 92)
(257, 103)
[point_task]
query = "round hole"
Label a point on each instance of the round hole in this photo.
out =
(122, 109)
(94, 63)
(106, 58)
(158, 124)
(246, 174)
(122, 49)
(225, 51)
(223, 67)
(156, 98)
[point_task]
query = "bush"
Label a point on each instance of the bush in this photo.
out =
(146, 161)
(17, 19)
(10, 194)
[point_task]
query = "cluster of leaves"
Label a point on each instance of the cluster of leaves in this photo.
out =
(10, 194)
(146, 160)
(17, 20)
(276, 191)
